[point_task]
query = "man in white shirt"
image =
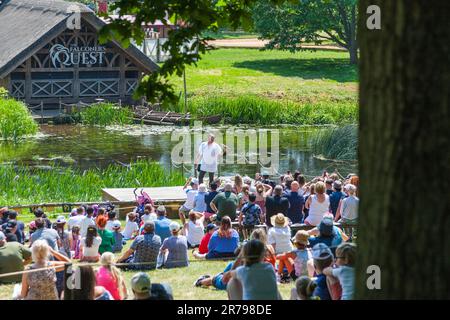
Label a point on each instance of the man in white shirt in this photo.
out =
(87, 221)
(208, 156)
(76, 220)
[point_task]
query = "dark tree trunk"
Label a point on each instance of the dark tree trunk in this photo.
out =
(404, 151)
(353, 51)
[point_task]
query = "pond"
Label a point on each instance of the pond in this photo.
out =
(87, 147)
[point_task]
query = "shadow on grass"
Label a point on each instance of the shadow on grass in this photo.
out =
(322, 68)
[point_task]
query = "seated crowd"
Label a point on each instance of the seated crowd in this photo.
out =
(247, 221)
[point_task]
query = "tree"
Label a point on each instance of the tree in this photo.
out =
(289, 25)
(193, 18)
(404, 152)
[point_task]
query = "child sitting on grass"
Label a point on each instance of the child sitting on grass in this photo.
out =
(118, 237)
(322, 259)
(131, 227)
(304, 288)
(250, 216)
(256, 279)
(345, 272)
(111, 219)
(193, 229)
(203, 247)
(296, 261)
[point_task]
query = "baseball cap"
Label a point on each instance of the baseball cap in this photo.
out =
(326, 226)
(2, 236)
(321, 251)
(211, 226)
(116, 224)
(140, 283)
(174, 226)
(60, 219)
(194, 181)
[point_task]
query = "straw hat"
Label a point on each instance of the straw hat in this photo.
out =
(279, 220)
(301, 237)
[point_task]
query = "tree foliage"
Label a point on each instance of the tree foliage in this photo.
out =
(292, 23)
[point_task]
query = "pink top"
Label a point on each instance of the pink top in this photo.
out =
(105, 279)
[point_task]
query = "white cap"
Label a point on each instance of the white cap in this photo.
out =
(174, 226)
(116, 224)
(202, 188)
(61, 219)
(194, 181)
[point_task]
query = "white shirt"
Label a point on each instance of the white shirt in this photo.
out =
(84, 224)
(149, 217)
(130, 228)
(75, 221)
(190, 197)
(209, 156)
(109, 225)
(281, 238)
(195, 232)
(93, 250)
(317, 210)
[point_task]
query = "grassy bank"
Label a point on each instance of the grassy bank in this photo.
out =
(338, 143)
(321, 80)
(34, 185)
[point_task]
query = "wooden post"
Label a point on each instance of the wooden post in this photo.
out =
(60, 110)
(42, 112)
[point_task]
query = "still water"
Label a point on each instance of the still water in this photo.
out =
(88, 147)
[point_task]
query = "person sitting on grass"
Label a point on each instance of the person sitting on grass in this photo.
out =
(203, 247)
(89, 246)
(143, 289)
(118, 237)
(225, 203)
(208, 198)
(106, 235)
(131, 227)
(75, 242)
(85, 222)
(250, 216)
(112, 216)
(76, 219)
(304, 288)
(322, 259)
(218, 281)
(280, 234)
(88, 288)
(345, 270)
(20, 230)
(65, 240)
(149, 214)
(256, 279)
(190, 197)
(162, 223)
(173, 251)
(143, 252)
(110, 277)
(328, 234)
(194, 229)
(43, 233)
(39, 213)
(261, 235)
(223, 242)
(296, 261)
(13, 257)
(199, 199)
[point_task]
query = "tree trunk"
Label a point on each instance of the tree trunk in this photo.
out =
(353, 51)
(404, 151)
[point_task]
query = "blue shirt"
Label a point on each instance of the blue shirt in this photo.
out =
(199, 201)
(321, 290)
(296, 202)
(223, 245)
(332, 242)
(177, 247)
(162, 227)
(208, 198)
(259, 281)
(335, 198)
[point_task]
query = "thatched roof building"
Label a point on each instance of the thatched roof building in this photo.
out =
(49, 51)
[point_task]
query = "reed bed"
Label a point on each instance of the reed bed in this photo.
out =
(15, 119)
(104, 114)
(23, 185)
(249, 109)
(338, 143)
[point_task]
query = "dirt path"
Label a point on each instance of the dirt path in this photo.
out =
(256, 43)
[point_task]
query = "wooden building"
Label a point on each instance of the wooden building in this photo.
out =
(50, 53)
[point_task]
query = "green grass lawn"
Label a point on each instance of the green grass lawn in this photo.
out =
(180, 279)
(303, 77)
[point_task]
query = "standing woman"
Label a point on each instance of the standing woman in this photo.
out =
(318, 205)
(41, 285)
(90, 245)
(110, 277)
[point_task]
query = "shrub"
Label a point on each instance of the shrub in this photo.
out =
(338, 143)
(15, 120)
(104, 114)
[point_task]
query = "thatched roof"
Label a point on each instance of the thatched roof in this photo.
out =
(27, 25)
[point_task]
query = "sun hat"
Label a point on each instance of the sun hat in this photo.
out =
(175, 226)
(60, 220)
(116, 224)
(141, 283)
(301, 237)
(326, 226)
(279, 220)
(321, 252)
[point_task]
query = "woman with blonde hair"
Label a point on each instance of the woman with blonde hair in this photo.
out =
(261, 235)
(41, 285)
(110, 277)
(318, 204)
(238, 183)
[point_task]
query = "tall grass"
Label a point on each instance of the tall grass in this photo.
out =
(339, 143)
(251, 109)
(21, 185)
(104, 114)
(15, 120)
